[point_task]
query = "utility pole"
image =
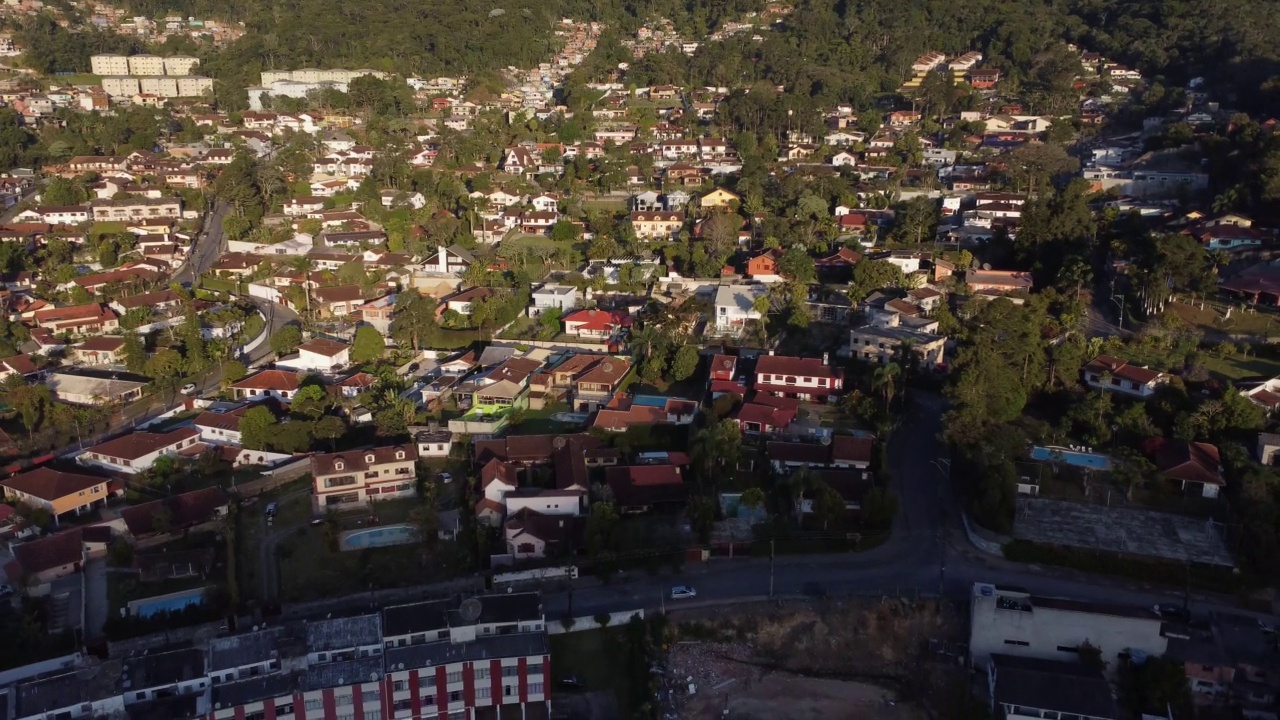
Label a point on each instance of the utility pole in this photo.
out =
(771, 556)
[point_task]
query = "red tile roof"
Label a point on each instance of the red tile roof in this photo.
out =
(271, 380)
(185, 510)
(358, 460)
(49, 484)
(800, 367)
(140, 443)
(1122, 369)
(48, 552)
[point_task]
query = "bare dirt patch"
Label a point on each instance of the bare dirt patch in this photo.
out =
(888, 659)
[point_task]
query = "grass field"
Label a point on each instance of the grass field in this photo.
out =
(76, 79)
(599, 660)
(1213, 319)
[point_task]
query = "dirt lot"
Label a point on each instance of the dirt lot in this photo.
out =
(855, 660)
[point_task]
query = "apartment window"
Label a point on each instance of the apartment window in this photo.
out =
(372, 714)
(400, 685)
(428, 700)
(511, 671)
(453, 677)
(535, 688)
(346, 716)
(1018, 643)
(482, 673)
(402, 705)
(455, 696)
(369, 696)
(426, 681)
(483, 693)
(285, 709)
(260, 715)
(313, 704)
(342, 700)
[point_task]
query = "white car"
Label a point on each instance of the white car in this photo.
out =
(683, 592)
(446, 478)
(188, 389)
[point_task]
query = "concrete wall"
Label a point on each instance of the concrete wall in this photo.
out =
(588, 622)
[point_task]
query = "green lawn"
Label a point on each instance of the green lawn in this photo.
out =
(1213, 319)
(539, 422)
(76, 79)
(106, 228)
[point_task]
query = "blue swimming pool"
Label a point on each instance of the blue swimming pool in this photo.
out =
(1088, 461)
(650, 400)
(177, 602)
(379, 537)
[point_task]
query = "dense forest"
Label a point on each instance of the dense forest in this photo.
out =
(843, 50)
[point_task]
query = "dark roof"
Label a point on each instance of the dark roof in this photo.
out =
(238, 650)
(359, 460)
(483, 648)
(49, 484)
(1063, 687)
(505, 609)
(1195, 462)
(140, 443)
(343, 633)
(185, 510)
(255, 689)
(49, 552)
(646, 485)
(165, 667)
(165, 708)
(804, 367)
(852, 449)
(853, 485)
(420, 617)
(810, 453)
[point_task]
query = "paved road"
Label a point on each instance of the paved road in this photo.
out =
(207, 247)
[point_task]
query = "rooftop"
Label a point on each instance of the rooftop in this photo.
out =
(141, 443)
(344, 633)
(1064, 687)
(166, 667)
(49, 484)
(485, 648)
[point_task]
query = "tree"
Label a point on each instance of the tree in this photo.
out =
(414, 321)
(685, 362)
(135, 352)
(165, 367)
(63, 191)
(602, 523)
(564, 231)
(885, 376)
(717, 448)
(828, 505)
(311, 401)
(916, 221)
(368, 345)
(330, 428)
(257, 426)
(233, 372)
(752, 499)
(286, 340)
(872, 275)
(720, 231)
(796, 264)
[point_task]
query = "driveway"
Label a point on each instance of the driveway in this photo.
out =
(96, 606)
(65, 604)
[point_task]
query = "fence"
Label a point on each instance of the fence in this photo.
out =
(552, 344)
(274, 478)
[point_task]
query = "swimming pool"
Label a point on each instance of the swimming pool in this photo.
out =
(174, 602)
(1088, 461)
(650, 400)
(379, 537)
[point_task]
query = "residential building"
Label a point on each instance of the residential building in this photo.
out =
(17, 365)
(843, 452)
(1029, 688)
(183, 511)
(57, 491)
(338, 301)
(646, 488)
(1013, 622)
(1116, 375)
(595, 387)
(88, 319)
(100, 350)
(735, 306)
(719, 198)
(279, 384)
(349, 479)
(883, 344)
(139, 450)
(136, 209)
(657, 224)
(36, 563)
(1194, 468)
(552, 295)
(997, 281)
(798, 378)
(432, 442)
(320, 355)
(595, 324)
(86, 387)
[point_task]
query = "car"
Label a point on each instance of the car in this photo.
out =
(445, 478)
(683, 592)
(317, 522)
(188, 389)
(272, 509)
(7, 590)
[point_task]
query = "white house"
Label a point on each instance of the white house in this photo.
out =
(552, 295)
(320, 355)
(1123, 377)
(138, 451)
(734, 306)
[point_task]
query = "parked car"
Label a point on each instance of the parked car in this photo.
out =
(188, 389)
(446, 478)
(272, 509)
(683, 592)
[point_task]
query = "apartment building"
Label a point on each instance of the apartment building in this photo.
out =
(109, 64)
(798, 378)
(349, 479)
(136, 209)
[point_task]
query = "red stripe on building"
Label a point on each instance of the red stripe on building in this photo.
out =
(546, 677)
(330, 707)
(524, 680)
(357, 701)
(239, 712)
(388, 696)
(468, 684)
(495, 677)
(415, 697)
(442, 691)
(269, 709)
(299, 707)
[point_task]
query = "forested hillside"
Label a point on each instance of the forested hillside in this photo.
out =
(845, 50)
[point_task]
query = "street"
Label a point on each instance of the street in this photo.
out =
(207, 247)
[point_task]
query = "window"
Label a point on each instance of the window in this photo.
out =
(535, 688)
(453, 677)
(341, 699)
(259, 715)
(1065, 648)
(506, 691)
(372, 714)
(399, 454)
(1018, 643)
(368, 459)
(511, 671)
(402, 705)
(483, 693)
(483, 672)
(284, 709)
(455, 696)
(400, 685)
(313, 704)
(426, 681)
(428, 700)
(369, 696)
(339, 465)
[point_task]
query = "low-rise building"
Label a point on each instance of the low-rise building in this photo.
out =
(279, 384)
(59, 492)
(1027, 688)
(734, 307)
(1116, 375)
(798, 378)
(139, 450)
(350, 479)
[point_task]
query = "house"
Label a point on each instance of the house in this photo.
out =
(139, 450)
(88, 319)
(720, 198)
(766, 415)
(885, 343)
(622, 413)
(735, 306)
(723, 367)
(432, 442)
(453, 260)
(36, 563)
(844, 452)
(571, 456)
(798, 378)
(851, 485)
(646, 488)
(1022, 688)
(303, 206)
(551, 295)
(997, 281)
(532, 535)
(1193, 467)
(102, 350)
(56, 214)
(595, 324)
(648, 201)
(136, 209)
(1113, 374)
(17, 365)
(58, 492)
(595, 387)
(182, 511)
(1227, 659)
(983, 78)
(337, 301)
(321, 355)
(350, 479)
(86, 387)
(657, 224)
(279, 384)
(764, 265)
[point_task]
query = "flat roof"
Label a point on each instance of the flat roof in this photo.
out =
(484, 648)
(343, 633)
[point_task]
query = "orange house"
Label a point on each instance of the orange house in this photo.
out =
(765, 263)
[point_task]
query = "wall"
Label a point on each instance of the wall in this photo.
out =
(588, 622)
(553, 344)
(274, 478)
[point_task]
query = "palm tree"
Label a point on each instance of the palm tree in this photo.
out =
(884, 379)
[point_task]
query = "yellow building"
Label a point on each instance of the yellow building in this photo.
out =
(56, 491)
(719, 198)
